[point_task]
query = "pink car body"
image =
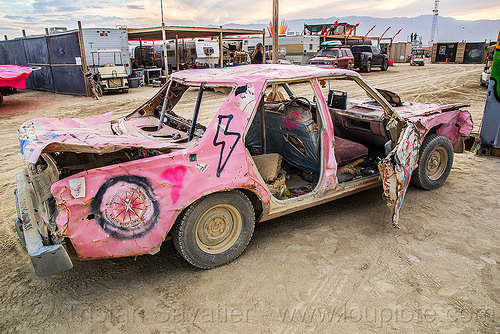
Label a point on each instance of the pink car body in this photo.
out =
(128, 208)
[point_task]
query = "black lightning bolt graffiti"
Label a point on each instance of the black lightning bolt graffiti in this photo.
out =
(225, 153)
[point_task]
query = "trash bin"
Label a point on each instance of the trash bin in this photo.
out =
(133, 82)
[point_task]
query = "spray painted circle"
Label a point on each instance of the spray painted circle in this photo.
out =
(126, 207)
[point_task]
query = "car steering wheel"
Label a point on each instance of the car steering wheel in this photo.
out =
(306, 102)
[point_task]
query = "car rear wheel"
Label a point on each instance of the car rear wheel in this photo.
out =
(350, 66)
(434, 164)
(215, 230)
(385, 65)
(368, 66)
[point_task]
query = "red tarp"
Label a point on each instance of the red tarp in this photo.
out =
(14, 76)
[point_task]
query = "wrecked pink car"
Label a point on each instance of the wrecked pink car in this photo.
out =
(214, 152)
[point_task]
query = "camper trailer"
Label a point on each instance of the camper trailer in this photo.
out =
(191, 54)
(96, 39)
(298, 48)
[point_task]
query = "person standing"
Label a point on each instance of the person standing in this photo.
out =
(257, 55)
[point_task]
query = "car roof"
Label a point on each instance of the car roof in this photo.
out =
(251, 73)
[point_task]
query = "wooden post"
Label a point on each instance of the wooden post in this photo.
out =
(47, 31)
(221, 49)
(390, 50)
(83, 57)
(154, 54)
(140, 53)
(24, 33)
(177, 60)
(5, 36)
(275, 30)
(264, 43)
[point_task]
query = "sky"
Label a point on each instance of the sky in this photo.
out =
(35, 15)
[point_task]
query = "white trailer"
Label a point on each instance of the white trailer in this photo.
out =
(298, 48)
(207, 53)
(96, 39)
(190, 52)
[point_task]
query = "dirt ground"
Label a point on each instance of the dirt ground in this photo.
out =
(339, 267)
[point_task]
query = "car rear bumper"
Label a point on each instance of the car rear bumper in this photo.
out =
(46, 259)
(359, 63)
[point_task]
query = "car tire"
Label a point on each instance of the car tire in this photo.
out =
(350, 66)
(215, 230)
(368, 66)
(336, 65)
(385, 65)
(434, 163)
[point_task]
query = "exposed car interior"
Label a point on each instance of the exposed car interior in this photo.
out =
(285, 142)
(171, 120)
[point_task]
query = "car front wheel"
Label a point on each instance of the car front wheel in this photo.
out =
(215, 230)
(434, 164)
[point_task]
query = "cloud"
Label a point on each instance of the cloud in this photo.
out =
(136, 7)
(35, 15)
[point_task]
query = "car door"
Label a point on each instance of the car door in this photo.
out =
(376, 56)
(341, 59)
(396, 169)
(345, 58)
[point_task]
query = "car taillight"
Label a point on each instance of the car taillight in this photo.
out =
(361, 56)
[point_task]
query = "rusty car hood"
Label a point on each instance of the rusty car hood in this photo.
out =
(365, 108)
(91, 135)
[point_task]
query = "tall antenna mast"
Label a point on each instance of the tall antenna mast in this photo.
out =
(164, 45)
(435, 11)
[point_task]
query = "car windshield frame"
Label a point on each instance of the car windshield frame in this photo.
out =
(169, 101)
(331, 53)
(361, 48)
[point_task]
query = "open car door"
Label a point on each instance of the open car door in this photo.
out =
(396, 168)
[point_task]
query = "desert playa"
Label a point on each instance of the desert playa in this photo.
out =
(337, 267)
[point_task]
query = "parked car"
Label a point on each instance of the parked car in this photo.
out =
(333, 57)
(283, 140)
(368, 56)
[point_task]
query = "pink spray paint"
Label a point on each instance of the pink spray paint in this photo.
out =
(175, 176)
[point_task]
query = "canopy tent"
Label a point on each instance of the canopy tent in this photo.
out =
(180, 32)
(172, 32)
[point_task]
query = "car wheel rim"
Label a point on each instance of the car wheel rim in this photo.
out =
(218, 229)
(437, 163)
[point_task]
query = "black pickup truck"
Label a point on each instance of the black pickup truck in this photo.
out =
(368, 56)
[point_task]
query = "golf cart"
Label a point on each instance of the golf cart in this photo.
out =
(109, 70)
(417, 57)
